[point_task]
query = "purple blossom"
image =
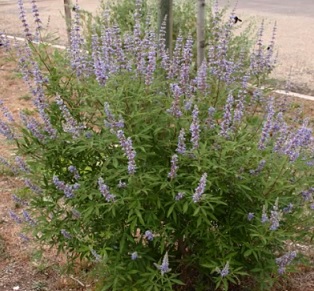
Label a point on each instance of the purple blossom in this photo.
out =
(22, 165)
(296, 141)
(175, 62)
(100, 66)
(5, 130)
(225, 126)
(285, 260)
(225, 271)
(149, 235)
(6, 113)
(179, 196)
(23, 19)
(250, 216)
(282, 130)
(288, 209)
(264, 218)
(126, 144)
(72, 169)
(261, 59)
(275, 217)
(162, 50)
(210, 122)
(175, 106)
(134, 256)
(9, 165)
(28, 219)
(200, 188)
(15, 217)
(40, 99)
(70, 125)
(36, 189)
(195, 128)
(33, 126)
(36, 17)
(181, 148)
(66, 234)
(4, 40)
(67, 189)
(239, 108)
(185, 66)
(164, 267)
(308, 194)
(77, 53)
(18, 200)
(173, 172)
(24, 238)
(111, 121)
(201, 79)
(151, 66)
(259, 168)
(104, 190)
(268, 125)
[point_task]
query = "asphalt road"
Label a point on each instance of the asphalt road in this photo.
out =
(284, 7)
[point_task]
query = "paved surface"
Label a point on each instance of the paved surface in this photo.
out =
(283, 7)
(295, 35)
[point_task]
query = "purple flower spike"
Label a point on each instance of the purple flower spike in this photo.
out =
(28, 219)
(179, 196)
(173, 172)
(200, 189)
(126, 144)
(67, 189)
(181, 149)
(164, 267)
(104, 190)
(284, 261)
(225, 271)
(195, 128)
(149, 235)
(134, 256)
(268, 125)
(250, 216)
(15, 217)
(175, 107)
(227, 119)
(70, 125)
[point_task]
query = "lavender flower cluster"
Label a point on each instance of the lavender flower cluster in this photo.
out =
(200, 189)
(164, 267)
(127, 146)
(104, 190)
(67, 189)
(70, 125)
(285, 260)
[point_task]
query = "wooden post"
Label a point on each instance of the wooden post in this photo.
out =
(68, 18)
(166, 10)
(200, 32)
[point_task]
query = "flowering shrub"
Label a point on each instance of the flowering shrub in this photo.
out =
(164, 176)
